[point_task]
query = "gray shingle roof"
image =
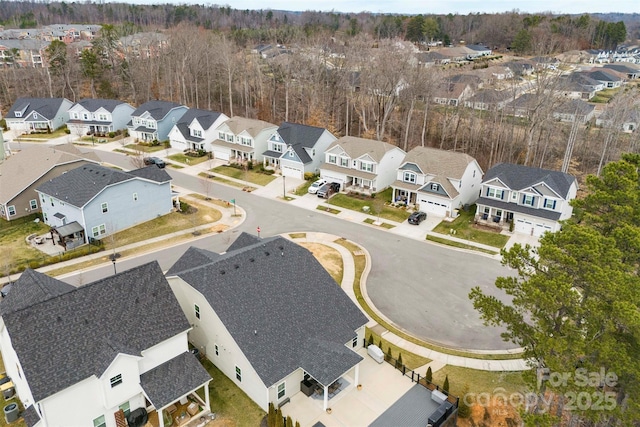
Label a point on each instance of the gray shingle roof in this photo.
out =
(32, 287)
(506, 206)
(243, 240)
(157, 109)
(46, 107)
(173, 379)
(205, 117)
(93, 105)
(519, 177)
(277, 302)
(124, 313)
(80, 185)
(30, 415)
(192, 258)
(300, 137)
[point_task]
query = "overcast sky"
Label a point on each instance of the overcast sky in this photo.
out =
(435, 6)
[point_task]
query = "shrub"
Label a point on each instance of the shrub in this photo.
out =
(370, 340)
(445, 386)
(399, 361)
(464, 411)
(155, 143)
(125, 133)
(112, 134)
(3, 124)
(250, 165)
(429, 376)
(389, 354)
(184, 206)
(67, 131)
(309, 176)
(166, 144)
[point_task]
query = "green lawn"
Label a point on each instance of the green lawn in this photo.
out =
(20, 422)
(249, 176)
(188, 160)
(463, 226)
(410, 360)
(144, 148)
(15, 253)
(44, 136)
(327, 209)
(455, 244)
(304, 188)
(374, 204)
(383, 225)
(479, 381)
(605, 96)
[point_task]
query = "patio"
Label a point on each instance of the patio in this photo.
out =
(192, 413)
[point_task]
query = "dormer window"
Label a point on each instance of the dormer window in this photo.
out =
(332, 159)
(221, 136)
(549, 204)
(366, 166)
(18, 113)
(230, 137)
(435, 187)
(196, 132)
(409, 177)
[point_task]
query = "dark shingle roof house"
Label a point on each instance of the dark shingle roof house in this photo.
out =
(157, 109)
(300, 137)
(278, 304)
(204, 117)
(46, 107)
(519, 177)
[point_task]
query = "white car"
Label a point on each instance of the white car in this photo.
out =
(313, 188)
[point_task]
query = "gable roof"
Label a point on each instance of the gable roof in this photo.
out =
(519, 177)
(300, 137)
(490, 96)
(46, 107)
(253, 127)
(431, 161)
(93, 105)
(157, 109)
(604, 75)
(27, 166)
(78, 186)
(357, 147)
(206, 119)
(575, 106)
(125, 313)
(192, 258)
(276, 300)
(31, 288)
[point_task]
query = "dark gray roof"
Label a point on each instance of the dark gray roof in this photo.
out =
(526, 210)
(243, 240)
(70, 228)
(31, 416)
(125, 313)
(157, 109)
(80, 185)
(46, 107)
(32, 287)
(193, 257)
(575, 106)
(206, 118)
(173, 379)
(519, 177)
(490, 96)
(411, 410)
(300, 137)
(277, 302)
(604, 76)
(91, 104)
(477, 47)
(271, 153)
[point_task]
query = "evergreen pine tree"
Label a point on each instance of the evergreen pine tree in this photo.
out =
(429, 376)
(445, 386)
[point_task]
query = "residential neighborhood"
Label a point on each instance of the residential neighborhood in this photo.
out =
(396, 223)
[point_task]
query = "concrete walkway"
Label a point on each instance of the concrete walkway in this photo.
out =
(439, 359)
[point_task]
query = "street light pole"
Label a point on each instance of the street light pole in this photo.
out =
(284, 187)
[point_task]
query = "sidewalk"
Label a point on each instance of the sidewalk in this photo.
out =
(438, 359)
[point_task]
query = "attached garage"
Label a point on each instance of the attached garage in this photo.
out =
(433, 207)
(540, 229)
(523, 226)
(292, 172)
(333, 178)
(221, 155)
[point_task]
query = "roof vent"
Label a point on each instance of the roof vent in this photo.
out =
(266, 253)
(251, 259)
(236, 266)
(222, 272)
(59, 319)
(281, 247)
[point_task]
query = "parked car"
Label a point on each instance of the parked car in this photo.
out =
(328, 189)
(417, 217)
(313, 188)
(154, 161)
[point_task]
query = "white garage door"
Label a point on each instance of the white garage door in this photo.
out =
(540, 229)
(330, 178)
(222, 155)
(433, 208)
(292, 172)
(523, 226)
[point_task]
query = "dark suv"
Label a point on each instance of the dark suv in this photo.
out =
(417, 217)
(154, 161)
(328, 189)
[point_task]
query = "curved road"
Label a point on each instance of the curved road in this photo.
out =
(421, 287)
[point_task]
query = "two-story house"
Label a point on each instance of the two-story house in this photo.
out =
(98, 116)
(361, 165)
(94, 201)
(437, 182)
(29, 169)
(38, 114)
(23, 53)
(196, 129)
(295, 149)
(535, 200)
(240, 139)
(100, 353)
(153, 120)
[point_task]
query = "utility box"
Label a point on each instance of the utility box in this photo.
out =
(376, 353)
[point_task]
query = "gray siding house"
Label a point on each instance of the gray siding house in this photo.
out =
(98, 116)
(92, 202)
(153, 120)
(38, 114)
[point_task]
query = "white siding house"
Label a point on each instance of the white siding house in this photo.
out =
(239, 139)
(196, 129)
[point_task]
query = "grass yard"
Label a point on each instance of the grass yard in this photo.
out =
(188, 160)
(410, 360)
(20, 422)
(304, 188)
(44, 136)
(464, 229)
(249, 176)
(327, 209)
(479, 381)
(144, 148)
(374, 204)
(330, 259)
(604, 96)
(15, 253)
(231, 405)
(383, 225)
(225, 181)
(449, 242)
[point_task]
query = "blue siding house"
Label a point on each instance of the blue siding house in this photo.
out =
(154, 119)
(92, 202)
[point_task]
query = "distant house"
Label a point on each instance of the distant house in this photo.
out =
(427, 59)
(548, 62)
(92, 202)
(241, 139)
(295, 149)
(535, 200)
(632, 71)
(609, 78)
(95, 354)
(153, 120)
(452, 93)
(520, 68)
(628, 119)
(302, 335)
(38, 114)
(579, 86)
(196, 129)
(495, 74)
(361, 165)
(30, 168)
(143, 45)
(23, 53)
(437, 182)
(489, 99)
(522, 106)
(479, 49)
(98, 116)
(575, 110)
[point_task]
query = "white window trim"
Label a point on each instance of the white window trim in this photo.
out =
(115, 380)
(100, 421)
(196, 311)
(11, 208)
(283, 384)
(104, 207)
(32, 203)
(406, 177)
(238, 371)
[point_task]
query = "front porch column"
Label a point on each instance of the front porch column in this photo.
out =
(160, 413)
(357, 374)
(326, 397)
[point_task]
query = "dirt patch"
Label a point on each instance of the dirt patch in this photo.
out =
(222, 422)
(330, 258)
(496, 414)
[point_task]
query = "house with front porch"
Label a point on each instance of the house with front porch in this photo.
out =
(93, 202)
(196, 129)
(29, 169)
(574, 110)
(271, 318)
(98, 116)
(98, 354)
(240, 139)
(528, 200)
(437, 182)
(153, 120)
(361, 165)
(296, 149)
(38, 114)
